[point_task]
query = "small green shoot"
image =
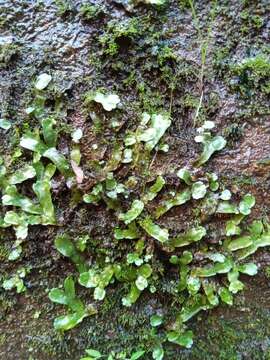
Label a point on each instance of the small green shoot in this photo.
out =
(154, 230)
(68, 297)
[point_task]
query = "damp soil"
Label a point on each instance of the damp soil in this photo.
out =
(79, 52)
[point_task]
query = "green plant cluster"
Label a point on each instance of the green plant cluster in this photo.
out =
(117, 32)
(7, 52)
(201, 284)
(253, 73)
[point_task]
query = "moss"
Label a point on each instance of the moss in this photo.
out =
(8, 52)
(2, 339)
(184, 4)
(250, 21)
(4, 252)
(64, 7)
(267, 271)
(165, 53)
(253, 73)
(89, 12)
(258, 65)
(257, 21)
(120, 34)
(143, 66)
(3, 21)
(221, 58)
(233, 132)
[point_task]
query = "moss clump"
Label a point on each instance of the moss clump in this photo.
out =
(64, 7)
(267, 272)
(90, 12)
(250, 21)
(164, 54)
(253, 73)
(7, 53)
(184, 4)
(120, 34)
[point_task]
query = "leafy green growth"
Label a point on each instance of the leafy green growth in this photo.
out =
(244, 208)
(259, 236)
(197, 287)
(107, 190)
(232, 227)
(185, 175)
(43, 81)
(131, 232)
(5, 124)
(95, 196)
(246, 204)
(81, 242)
(254, 72)
(58, 159)
(136, 208)
(235, 284)
(213, 183)
(109, 102)
(192, 235)
(154, 2)
(32, 142)
(48, 131)
(42, 189)
(154, 230)
(198, 190)
(210, 292)
(90, 12)
(225, 195)
(143, 273)
(92, 354)
(156, 320)
(193, 285)
(225, 207)
(225, 295)
(240, 243)
(13, 198)
(158, 125)
(132, 296)
(43, 213)
(176, 200)
(192, 306)
(137, 355)
(183, 339)
(158, 352)
(65, 246)
(141, 283)
(21, 175)
(154, 189)
(16, 281)
(20, 222)
(218, 268)
(95, 354)
(211, 144)
(76, 307)
(138, 279)
(184, 268)
(97, 279)
(64, 7)
(134, 258)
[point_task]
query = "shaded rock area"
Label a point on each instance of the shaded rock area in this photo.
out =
(152, 58)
